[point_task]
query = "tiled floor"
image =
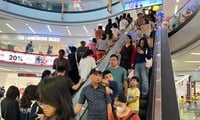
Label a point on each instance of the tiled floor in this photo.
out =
(190, 115)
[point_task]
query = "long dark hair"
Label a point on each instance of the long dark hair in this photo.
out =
(45, 73)
(28, 96)
(12, 92)
(145, 42)
(54, 91)
(87, 53)
(131, 42)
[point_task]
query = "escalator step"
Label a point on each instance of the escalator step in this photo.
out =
(143, 104)
(142, 114)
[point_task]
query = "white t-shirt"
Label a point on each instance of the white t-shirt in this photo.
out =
(86, 65)
(115, 32)
(123, 23)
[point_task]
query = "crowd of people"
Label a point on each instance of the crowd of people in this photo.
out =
(188, 103)
(110, 94)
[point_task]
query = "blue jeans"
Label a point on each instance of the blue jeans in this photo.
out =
(142, 73)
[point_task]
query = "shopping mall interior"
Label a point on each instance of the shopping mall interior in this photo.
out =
(51, 25)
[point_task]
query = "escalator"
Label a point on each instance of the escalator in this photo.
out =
(185, 33)
(101, 66)
(162, 101)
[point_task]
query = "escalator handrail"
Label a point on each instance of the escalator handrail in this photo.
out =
(85, 11)
(173, 31)
(162, 104)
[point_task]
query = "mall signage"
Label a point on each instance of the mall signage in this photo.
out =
(26, 58)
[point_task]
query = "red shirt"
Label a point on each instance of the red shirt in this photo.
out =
(134, 117)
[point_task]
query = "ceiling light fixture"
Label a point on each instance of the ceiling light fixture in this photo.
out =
(192, 61)
(26, 24)
(85, 29)
(30, 28)
(67, 27)
(195, 53)
(1, 31)
(176, 8)
(10, 27)
(69, 32)
(177, 1)
(49, 28)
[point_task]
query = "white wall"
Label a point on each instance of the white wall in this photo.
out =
(8, 79)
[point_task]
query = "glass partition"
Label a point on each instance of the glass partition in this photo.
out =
(184, 13)
(69, 5)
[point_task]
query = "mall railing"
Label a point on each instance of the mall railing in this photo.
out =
(69, 5)
(162, 98)
(183, 16)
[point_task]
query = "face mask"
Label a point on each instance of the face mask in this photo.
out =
(121, 109)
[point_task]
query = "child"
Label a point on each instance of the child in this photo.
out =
(107, 81)
(182, 102)
(133, 94)
(123, 112)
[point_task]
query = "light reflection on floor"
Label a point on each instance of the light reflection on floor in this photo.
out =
(190, 115)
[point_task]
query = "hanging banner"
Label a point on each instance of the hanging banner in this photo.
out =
(122, 3)
(25, 58)
(109, 8)
(63, 8)
(76, 4)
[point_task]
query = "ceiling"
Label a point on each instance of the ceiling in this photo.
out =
(22, 27)
(187, 59)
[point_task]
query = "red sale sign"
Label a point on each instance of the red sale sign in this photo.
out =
(26, 58)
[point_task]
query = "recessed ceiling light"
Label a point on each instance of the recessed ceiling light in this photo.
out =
(85, 29)
(49, 28)
(195, 53)
(69, 32)
(67, 27)
(30, 28)
(10, 27)
(1, 31)
(176, 8)
(173, 60)
(177, 1)
(26, 24)
(192, 61)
